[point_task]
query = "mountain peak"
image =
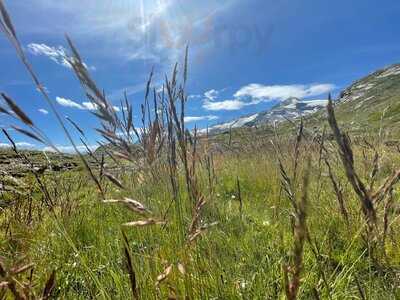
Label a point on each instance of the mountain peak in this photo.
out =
(291, 102)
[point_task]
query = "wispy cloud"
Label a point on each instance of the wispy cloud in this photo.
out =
(189, 119)
(133, 27)
(57, 54)
(43, 111)
(211, 94)
(130, 90)
(155, 31)
(195, 97)
(118, 94)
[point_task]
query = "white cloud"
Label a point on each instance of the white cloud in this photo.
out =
(319, 89)
(282, 92)
(209, 102)
(43, 111)
(224, 105)
(211, 94)
(57, 54)
(69, 103)
(45, 88)
(22, 145)
(84, 106)
(89, 105)
(70, 149)
(93, 106)
(200, 118)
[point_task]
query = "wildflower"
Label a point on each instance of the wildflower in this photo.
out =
(243, 284)
(266, 223)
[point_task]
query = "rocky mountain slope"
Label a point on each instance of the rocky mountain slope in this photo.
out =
(372, 101)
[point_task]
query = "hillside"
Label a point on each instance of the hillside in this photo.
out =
(370, 99)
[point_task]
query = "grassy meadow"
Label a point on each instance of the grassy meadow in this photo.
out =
(163, 212)
(241, 257)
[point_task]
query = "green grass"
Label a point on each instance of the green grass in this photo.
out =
(240, 258)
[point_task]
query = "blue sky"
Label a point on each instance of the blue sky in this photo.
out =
(244, 55)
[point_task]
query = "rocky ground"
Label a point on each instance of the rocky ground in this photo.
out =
(19, 165)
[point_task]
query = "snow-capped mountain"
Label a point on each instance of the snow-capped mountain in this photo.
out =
(291, 108)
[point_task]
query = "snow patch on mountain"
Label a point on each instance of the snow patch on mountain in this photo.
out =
(316, 103)
(395, 70)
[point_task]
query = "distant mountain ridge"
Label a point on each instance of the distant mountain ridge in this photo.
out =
(365, 103)
(290, 108)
